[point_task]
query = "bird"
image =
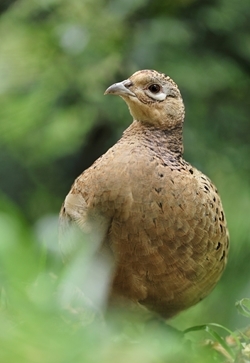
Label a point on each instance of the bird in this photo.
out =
(160, 218)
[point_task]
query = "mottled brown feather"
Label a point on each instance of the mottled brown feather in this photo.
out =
(161, 218)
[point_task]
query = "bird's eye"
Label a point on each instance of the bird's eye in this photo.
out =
(154, 88)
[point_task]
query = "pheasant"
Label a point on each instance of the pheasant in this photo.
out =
(159, 217)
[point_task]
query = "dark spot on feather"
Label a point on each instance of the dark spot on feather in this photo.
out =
(160, 205)
(218, 246)
(222, 216)
(181, 206)
(158, 190)
(223, 255)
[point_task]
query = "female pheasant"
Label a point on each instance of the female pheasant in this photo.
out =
(160, 218)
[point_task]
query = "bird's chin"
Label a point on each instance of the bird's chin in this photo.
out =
(137, 112)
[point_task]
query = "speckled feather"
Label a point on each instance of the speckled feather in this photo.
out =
(160, 217)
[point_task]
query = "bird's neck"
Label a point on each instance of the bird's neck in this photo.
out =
(164, 140)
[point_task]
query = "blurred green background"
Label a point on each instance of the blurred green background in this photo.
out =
(57, 57)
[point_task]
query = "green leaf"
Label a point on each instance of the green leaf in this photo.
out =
(243, 307)
(216, 336)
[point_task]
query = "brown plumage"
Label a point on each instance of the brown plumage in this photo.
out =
(161, 218)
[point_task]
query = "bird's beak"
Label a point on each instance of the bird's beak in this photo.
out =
(120, 89)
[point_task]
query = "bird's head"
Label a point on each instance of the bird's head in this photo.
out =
(152, 98)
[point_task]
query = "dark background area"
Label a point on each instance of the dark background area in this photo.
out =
(57, 57)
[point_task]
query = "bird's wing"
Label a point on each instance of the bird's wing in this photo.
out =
(79, 217)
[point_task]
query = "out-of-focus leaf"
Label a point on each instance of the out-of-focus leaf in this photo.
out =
(243, 307)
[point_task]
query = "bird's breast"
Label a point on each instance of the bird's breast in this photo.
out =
(168, 225)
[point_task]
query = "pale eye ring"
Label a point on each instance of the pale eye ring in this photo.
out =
(154, 88)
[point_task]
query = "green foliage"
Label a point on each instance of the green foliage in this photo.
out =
(44, 315)
(243, 307)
